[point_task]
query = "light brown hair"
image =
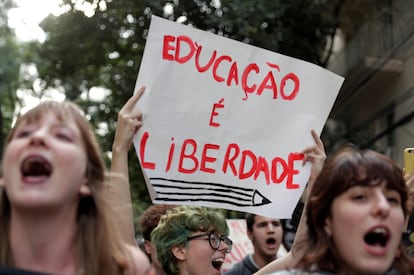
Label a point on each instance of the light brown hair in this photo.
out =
(100, 246)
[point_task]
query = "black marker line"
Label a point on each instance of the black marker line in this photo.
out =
(218, 193)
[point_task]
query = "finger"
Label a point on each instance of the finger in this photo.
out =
(315, 150)
(309, 149)
(310, 157)
(317, 139)
(318, 146)
(135, 115)
(409, 178)
(136, 125)
(134, 99)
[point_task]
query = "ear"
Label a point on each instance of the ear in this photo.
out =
(1, 182)
(147, 247)
(84, 189)
(179, 252)
(249, 234)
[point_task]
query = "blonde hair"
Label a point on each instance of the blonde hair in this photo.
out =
(101, 248)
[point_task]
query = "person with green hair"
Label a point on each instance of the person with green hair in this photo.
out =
(192, 240)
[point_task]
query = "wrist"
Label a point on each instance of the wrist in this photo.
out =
(120, 150)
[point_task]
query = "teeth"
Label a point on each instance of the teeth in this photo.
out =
(378, 236)
(380, 231)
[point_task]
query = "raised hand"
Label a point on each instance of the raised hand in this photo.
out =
(316, 155)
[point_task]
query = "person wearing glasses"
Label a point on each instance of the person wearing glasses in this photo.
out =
(192, 240)
(129, 121)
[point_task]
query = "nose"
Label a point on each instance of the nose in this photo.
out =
(224, 247)
(270, 227)
(38, 137)
(381, 205)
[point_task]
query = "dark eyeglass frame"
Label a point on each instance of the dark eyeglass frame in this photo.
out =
(214, 245)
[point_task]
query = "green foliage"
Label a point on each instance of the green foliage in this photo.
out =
(9, 70)
(105, 49)
(286, 27)
(10, 59)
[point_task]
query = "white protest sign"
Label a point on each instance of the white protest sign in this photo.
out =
(225, 122)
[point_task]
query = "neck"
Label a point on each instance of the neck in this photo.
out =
(45, 243)
(262, 260)
(158, 270)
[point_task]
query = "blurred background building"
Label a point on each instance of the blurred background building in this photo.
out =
(375, 106)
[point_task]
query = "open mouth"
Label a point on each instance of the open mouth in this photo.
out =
(271, 241)
(217, 264)
(378, 236)
(36, 166)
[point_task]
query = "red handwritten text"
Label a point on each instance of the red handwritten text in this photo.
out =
(182, 49)
(214, 113)
(244, 164)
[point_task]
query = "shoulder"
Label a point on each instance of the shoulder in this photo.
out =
(138, 263)
(235, 269)
(245, 266)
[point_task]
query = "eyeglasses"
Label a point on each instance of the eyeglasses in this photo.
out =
(215, 240)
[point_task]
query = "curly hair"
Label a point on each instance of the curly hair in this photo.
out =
(150, 218)
(178, 223)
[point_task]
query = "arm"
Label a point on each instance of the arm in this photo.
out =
(316, 155)
(129, 121)
(138, 262)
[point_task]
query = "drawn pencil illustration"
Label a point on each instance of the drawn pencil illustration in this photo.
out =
(218, 193)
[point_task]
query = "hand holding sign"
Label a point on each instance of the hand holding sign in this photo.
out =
(129, 121)
(225, 123)
(315, 154)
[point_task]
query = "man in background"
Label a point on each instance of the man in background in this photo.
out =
(266, 236)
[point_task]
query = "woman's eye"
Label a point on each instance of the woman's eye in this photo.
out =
(65, 133)
(63, 136)
(23, 133)
(394, 199)
(359, 197)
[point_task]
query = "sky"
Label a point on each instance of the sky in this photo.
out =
(25, 19)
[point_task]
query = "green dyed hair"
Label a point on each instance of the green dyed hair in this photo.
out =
(177, 224)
